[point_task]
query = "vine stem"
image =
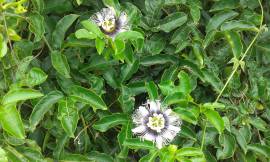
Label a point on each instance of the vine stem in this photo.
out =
(9, 41)
(203, 137)
(234, 70)
(244, 55)
(47, 43)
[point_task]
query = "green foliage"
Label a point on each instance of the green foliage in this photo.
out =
(68, 90)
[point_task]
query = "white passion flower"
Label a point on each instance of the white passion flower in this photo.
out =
(109, 23)
(156, 124)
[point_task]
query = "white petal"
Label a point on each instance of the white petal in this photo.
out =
(112, 11)
(149, 137)
(154, 105)
(97, 18)
(107, 13)
(174, 120)
(123, 19)
(143, 110)
(174, 128)
(139, 129)
(168, 135)
(168, 112)
(159, 142)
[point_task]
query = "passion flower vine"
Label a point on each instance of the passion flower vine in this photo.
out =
(156, 124)
(109, 23)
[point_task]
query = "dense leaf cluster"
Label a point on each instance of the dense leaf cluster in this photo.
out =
(67, 91)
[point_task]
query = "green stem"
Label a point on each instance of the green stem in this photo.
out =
(244, 55)
(9, 41)
(203, 137)
(47, 43)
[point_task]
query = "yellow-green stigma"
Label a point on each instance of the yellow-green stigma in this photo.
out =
(156, 122)
(108, 26)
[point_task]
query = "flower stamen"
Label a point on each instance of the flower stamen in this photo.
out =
(156, 122)
(109, 23)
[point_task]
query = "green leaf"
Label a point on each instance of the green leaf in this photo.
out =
(152, 90)
(219, 18)
(37, 25)
(22, 67)
(175, 98)
(172, 21)
(174, 2)
(189, 151)
(135, 143)
(67, 157)
(61, 27)
(68, 115)
(198, 52)
(43, 106)
(92, 27)
(213, 105)
(228, 143)
(60, 63)
(119, 48)
(111, 78)
(169, 74)
(3, 156)
(83, 33)
(14, 155)
(180, 35)
(58, 7)
(215, 119)
(240, 139)
(128, 70)
(3, 46)
(158, 59)
(260, 149)
(224, 5)
(111, 3)
(238, 25)
(98, 63)
(100, 45)
(35, 77)
(88, 96)
(153, 7)
(209, 38)
(13, 96)
(234, 41)
(259, 124)
(60, 144)
(187, 132)
(168, 153)
(72, 41)
(151, 157)
(110, 121)
(11, 121)
(126, 99)
(194, 7)
(38, 5)
(185, 83)
(32, 154)
(97, 156)
(156, 44)
(213, 79)
(186, 115)
(129, 35)
(245, 131)
(124, 134)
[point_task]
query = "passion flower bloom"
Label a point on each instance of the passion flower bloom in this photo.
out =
(156, 124)
(109, 23)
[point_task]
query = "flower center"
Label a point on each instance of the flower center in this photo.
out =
(156, 122)
(108, 25)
